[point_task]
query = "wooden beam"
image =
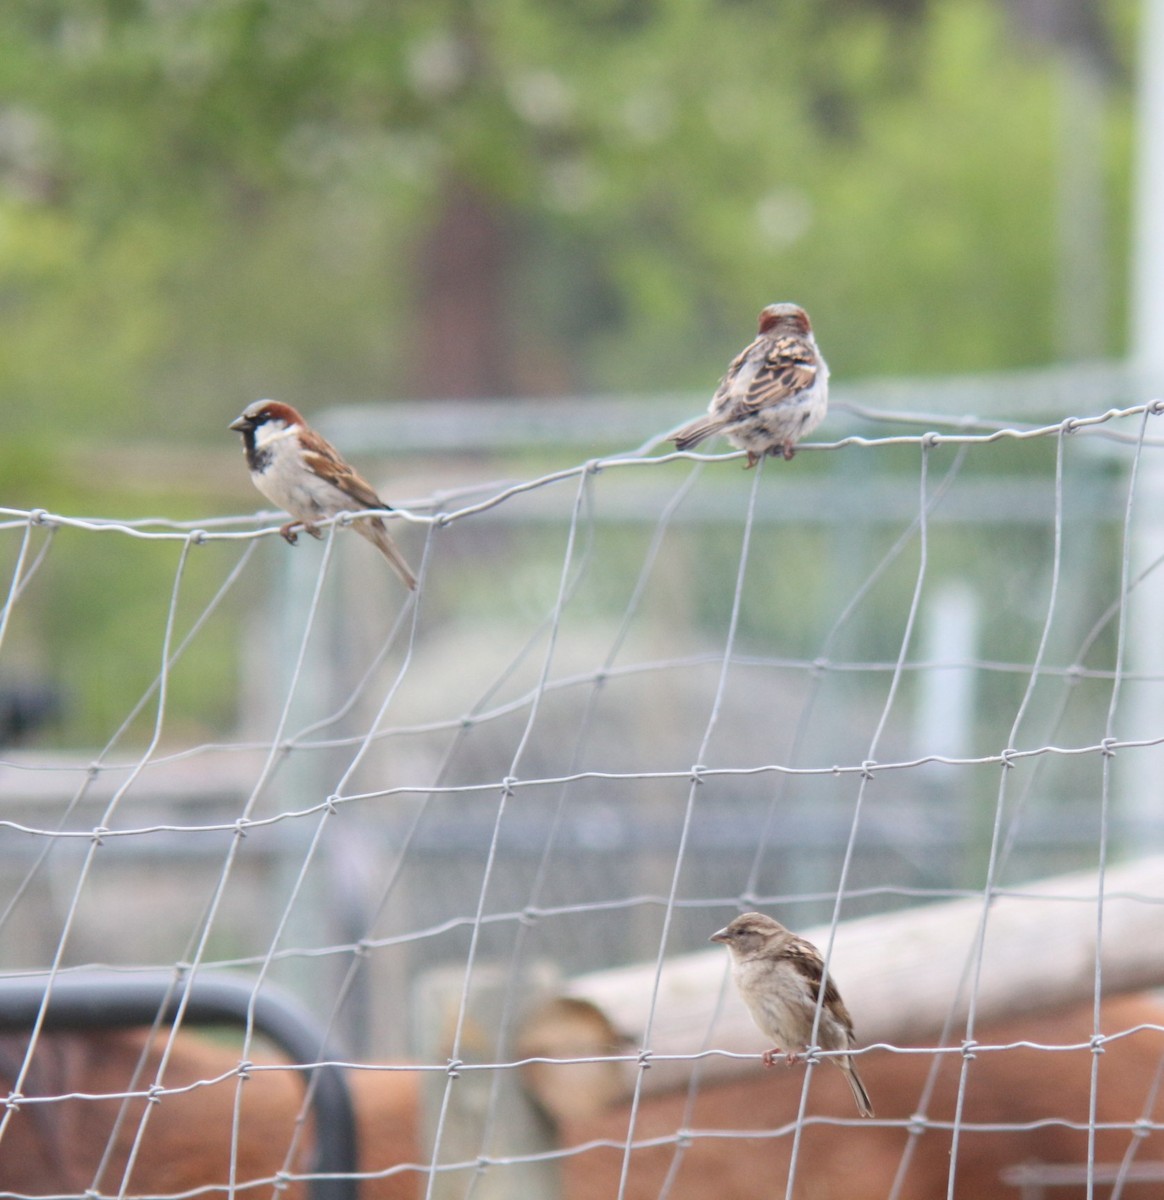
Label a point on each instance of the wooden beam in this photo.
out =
(487, 1114)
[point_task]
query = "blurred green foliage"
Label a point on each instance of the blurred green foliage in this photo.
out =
(202, 203)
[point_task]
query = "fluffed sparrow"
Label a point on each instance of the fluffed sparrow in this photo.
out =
(775, 391)
(779, 975)
(305, 475)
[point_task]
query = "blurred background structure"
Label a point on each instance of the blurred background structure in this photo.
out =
(631, 695)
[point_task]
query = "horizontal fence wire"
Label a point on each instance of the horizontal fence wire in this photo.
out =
(600, 727)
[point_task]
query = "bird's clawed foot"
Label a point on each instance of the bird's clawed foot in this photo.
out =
(785, 451)
(290, 532)
(776, 1055)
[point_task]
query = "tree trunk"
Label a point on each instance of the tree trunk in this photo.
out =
(462, 345)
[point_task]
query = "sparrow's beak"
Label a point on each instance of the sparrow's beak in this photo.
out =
(720, 936)
(240, 424)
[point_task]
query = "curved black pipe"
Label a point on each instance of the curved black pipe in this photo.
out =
(110, 1000)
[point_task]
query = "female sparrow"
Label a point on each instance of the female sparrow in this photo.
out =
(779, 977)
(775, 391)
(303, 473)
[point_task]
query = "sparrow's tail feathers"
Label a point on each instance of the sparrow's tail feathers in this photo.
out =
(696, 432)
(864, 1107)
(374, 530)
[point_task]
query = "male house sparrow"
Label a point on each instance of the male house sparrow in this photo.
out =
(775, 391)
(304, 474)
(779, 976)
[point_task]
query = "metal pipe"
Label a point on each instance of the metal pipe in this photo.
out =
(110, 999)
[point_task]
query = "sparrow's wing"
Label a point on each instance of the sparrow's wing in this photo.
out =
(324, 459)
(784, 366)
(730, 388)
(807, 960)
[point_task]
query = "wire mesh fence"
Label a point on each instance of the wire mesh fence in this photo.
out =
(634, 694)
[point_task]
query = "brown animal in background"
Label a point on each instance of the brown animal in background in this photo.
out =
(859, 1160)
(53, 1149)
